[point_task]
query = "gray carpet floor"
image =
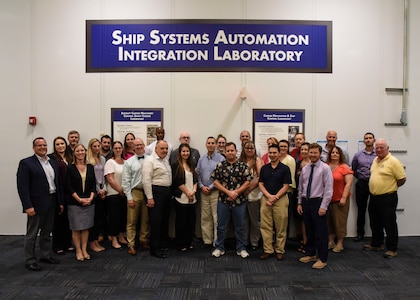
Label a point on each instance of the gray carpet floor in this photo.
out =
(113, 274)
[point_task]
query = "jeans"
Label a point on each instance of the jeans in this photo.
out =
(224, 214)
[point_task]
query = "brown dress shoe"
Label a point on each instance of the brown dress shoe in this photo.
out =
(280, 256)
(265, 255)
(369, 247)
(131, 251)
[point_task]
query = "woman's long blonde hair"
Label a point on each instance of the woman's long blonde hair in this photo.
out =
(90, 157)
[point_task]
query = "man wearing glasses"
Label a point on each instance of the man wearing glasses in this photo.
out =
(185, 138)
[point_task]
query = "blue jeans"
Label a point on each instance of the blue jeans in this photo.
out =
(237, 213)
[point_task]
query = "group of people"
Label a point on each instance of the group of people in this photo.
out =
(125, 191)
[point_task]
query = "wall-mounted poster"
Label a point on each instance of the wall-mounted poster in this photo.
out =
(142, 122)
(278, 123)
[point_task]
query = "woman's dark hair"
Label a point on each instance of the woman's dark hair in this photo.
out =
(180, 171)
(113, 153)
(67, 153)
(288, 144)
(125, 138)
(342, 159)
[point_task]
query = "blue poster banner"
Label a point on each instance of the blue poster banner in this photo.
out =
(131, 115)
(208, 46)
(277, 116)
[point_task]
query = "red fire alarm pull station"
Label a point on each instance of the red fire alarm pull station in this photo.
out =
(32, 120)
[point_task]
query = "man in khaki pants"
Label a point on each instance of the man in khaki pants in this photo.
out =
(136, 205)
(275, 179)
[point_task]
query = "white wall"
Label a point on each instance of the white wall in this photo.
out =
(42, 73)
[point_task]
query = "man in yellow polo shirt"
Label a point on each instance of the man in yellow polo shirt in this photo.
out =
(387, 174)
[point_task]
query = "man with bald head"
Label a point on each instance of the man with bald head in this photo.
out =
(185, 138)
(331, 138)
(244, 137)
(387, 174)
(157, 180)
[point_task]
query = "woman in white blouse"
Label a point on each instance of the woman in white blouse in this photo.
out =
(116, 202)
(184, 183)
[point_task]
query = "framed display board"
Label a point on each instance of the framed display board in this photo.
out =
(278, 123)
(142, 122)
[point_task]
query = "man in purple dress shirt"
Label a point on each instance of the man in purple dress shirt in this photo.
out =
(314, 195)
(360, 164)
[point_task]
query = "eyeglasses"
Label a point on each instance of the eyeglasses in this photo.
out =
(221, 143)
(185, 137)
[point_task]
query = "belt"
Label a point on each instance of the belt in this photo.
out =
(161, 186)
(381, 195)
(312, 199)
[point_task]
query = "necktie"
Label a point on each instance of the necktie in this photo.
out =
(297, 155)
(308, 189)
(140, 157)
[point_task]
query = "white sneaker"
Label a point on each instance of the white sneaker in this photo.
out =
(243, 253)
(217, 253)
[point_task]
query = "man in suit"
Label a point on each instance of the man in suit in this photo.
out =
(39, 188)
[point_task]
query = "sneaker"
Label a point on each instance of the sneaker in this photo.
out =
(390, 254)
(307, 259)
(369, 247)
(217, 253)
(243, 253)
(319, 265)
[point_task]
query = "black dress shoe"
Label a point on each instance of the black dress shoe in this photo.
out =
(158, 254)
(33, 267)
(358, 238)
(50, 260)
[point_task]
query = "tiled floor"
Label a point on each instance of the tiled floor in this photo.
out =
(113, 274)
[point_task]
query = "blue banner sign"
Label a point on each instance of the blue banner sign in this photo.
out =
(208, 46)
(132, 115)
(276, 116)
